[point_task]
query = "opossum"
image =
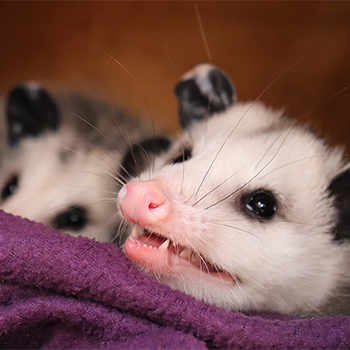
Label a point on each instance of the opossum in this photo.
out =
(62, 164)
(247, 209)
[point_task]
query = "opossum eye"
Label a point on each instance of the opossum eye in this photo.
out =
(185, 155)
(10, 188)
(75, 219)
(261, 204)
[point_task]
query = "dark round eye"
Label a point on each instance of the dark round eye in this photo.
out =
(10, 188)
(75, 219)
(262, 204)
(185, 155)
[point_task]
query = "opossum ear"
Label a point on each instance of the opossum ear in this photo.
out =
(30, 110)
(202, 92)
(140, 156)
(340, 191)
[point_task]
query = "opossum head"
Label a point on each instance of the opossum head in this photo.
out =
(52, 174)
(242, 210)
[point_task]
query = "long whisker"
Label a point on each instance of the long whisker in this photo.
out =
(189, 198)
(202, 260)
(80, 154)
(258, 173)
(200, 24)
(102, 176)
(93, 188)
(109, 223)
(292, 163)
(93, 127)
(104, 136)
(121, 231)
(216, 187)
(318, 105)
(136, 84)
(276, 220)
(240, 120)
(75, 205)
(267, 150)
(107, 172)
(183, 169)
(238, 229)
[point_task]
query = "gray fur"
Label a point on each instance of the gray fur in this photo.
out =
(76, 165)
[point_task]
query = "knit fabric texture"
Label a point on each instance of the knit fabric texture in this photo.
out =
(63, 292)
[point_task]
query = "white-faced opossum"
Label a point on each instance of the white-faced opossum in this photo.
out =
(59, 169)
(246, 210)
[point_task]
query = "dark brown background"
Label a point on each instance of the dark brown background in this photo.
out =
(67, 45)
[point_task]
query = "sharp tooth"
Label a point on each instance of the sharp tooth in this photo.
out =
(135, 232)
(164, 245)
(185, 254)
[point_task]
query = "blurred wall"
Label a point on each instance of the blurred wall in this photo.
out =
(75, 46)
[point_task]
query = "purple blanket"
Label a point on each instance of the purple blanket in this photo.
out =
(64, 292)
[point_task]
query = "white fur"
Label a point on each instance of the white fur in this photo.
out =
(76, 165)
(289, 264)
(48, 185)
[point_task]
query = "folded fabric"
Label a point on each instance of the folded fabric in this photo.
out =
(63, 292)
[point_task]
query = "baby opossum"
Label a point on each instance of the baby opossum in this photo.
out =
(246, 210)
(62, 163)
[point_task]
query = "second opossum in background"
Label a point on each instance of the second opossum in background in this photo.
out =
(62, 162)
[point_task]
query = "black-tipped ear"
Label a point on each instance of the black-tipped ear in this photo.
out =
(140, 156)
(30, 110)
(203, 91)
(340, 190)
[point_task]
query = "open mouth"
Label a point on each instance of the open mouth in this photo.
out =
(159, 255)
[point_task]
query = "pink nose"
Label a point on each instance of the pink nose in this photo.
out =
(144, 203)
